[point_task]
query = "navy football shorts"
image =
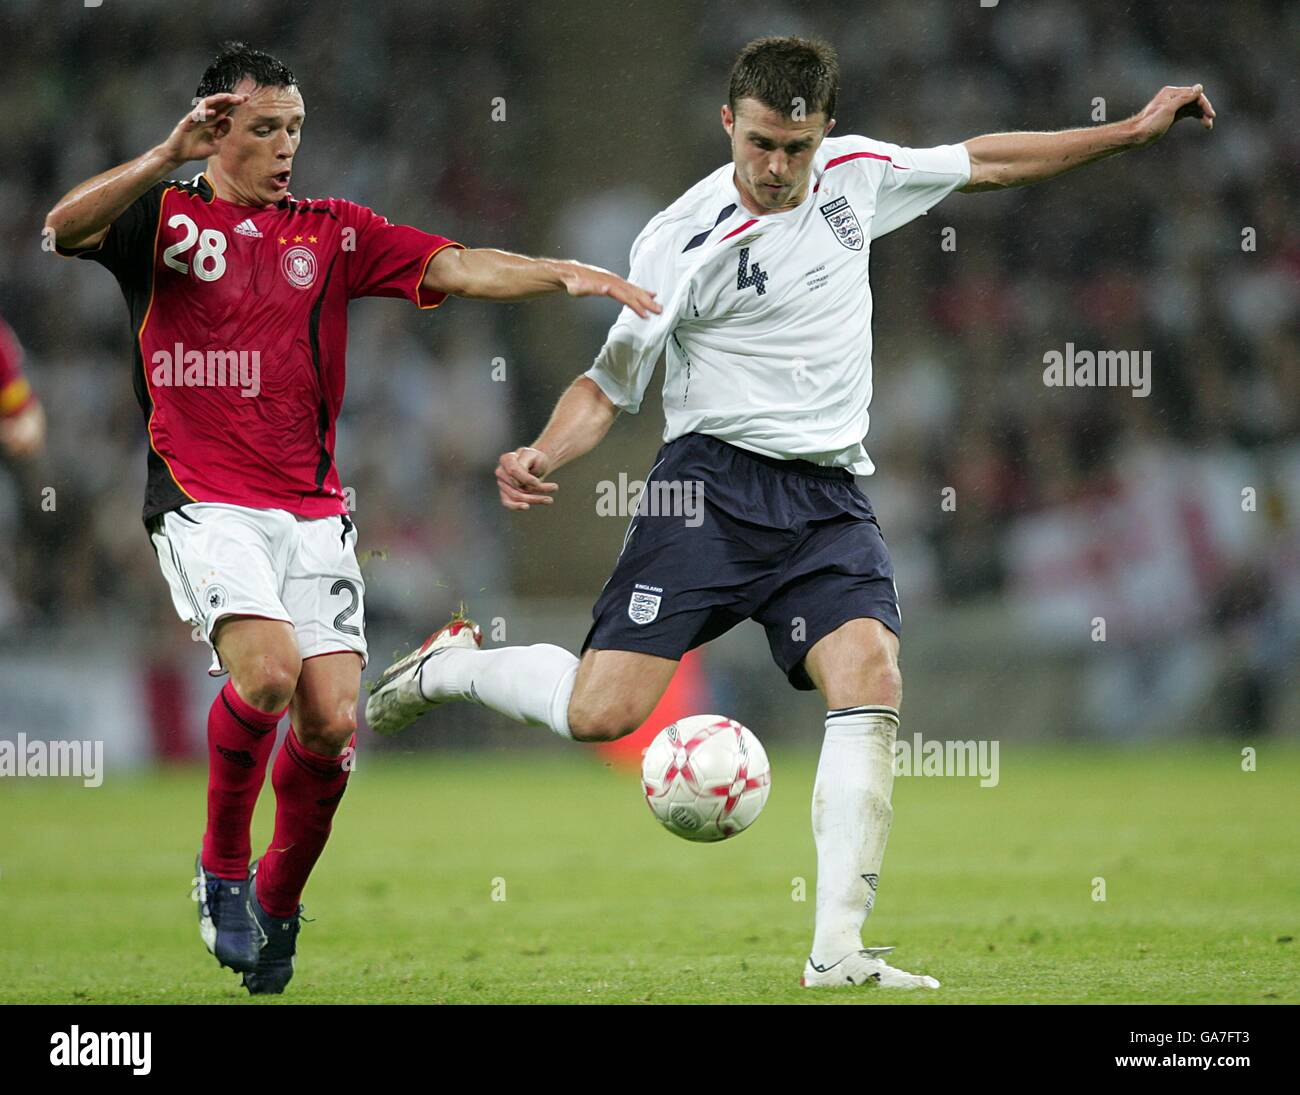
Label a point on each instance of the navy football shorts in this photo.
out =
(723, 535)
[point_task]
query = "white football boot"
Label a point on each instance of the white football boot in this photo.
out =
(863, 967)
(396, 699)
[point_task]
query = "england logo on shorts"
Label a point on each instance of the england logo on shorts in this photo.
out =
(643, 608)
(844, 223)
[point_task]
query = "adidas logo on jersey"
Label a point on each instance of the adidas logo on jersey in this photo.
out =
(248, 228)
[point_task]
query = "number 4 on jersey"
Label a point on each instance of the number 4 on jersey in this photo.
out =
(753, 276)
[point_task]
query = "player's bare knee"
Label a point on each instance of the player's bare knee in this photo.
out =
(881, 679)
(869, 680)
(327, 733)
(325, 723)
(885, 684)
(269, 684)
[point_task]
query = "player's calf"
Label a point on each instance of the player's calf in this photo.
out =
(604, 722)
(599, 714)
(615, 692)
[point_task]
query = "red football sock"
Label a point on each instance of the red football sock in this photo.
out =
(308, 787)
(240, 739)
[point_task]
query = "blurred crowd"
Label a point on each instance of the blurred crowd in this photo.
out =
(1175, 516)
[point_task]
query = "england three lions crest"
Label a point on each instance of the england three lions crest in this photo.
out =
(844, 223)
(643, 608)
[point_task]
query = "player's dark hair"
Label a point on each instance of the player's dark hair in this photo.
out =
(779, 72)
(234, 61)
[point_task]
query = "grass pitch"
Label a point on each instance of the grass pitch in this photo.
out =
(989, 890)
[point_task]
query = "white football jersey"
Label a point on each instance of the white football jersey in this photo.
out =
(766, 323)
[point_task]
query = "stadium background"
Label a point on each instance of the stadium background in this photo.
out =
(1071, 504)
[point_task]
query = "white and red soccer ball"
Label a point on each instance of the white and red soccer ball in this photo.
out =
(706, 777)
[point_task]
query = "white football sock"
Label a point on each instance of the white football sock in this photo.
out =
(530, 684)
(851, 812)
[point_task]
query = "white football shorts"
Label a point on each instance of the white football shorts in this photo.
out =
(224, 560)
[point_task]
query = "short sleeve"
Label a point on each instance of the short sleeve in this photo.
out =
(915, 181)
(389, 260)
(127, 249)
(625, 364)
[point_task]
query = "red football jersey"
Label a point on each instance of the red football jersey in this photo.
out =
(15, 392)
(240, 321)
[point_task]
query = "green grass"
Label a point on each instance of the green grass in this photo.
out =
(990, 890)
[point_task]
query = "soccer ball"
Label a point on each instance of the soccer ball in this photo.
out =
(706, 777)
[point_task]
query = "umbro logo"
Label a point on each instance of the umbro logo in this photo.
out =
(248, 228)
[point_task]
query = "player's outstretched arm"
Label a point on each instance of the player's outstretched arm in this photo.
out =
(580, 420)
(82, 216)
(487, 274)
(999, 160)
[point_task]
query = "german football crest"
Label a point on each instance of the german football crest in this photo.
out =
(844, 223)
(299, 266)
(643, 608)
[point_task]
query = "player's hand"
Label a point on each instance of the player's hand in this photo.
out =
(582, 280)
(23, 434)
(1170, 104)
(198, 134)
(519, 479)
